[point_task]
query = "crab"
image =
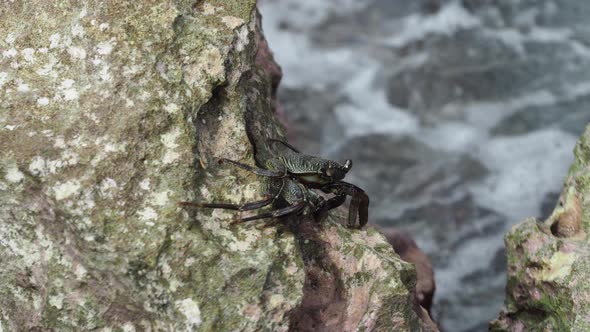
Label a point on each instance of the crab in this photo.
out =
(291, 178)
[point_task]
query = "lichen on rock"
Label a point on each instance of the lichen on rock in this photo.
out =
(110, 114)
(548, 261)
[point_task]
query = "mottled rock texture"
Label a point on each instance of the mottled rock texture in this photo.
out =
(549, 261)
(408, 250)
(111, 113)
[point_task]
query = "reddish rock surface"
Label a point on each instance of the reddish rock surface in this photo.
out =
(408, 250)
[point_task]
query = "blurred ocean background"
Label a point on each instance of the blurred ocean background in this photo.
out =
(460, 117)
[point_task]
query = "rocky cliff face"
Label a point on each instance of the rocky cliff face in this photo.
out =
(549, 261)
(112, 113)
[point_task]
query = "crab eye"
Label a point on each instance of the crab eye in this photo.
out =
(330, 171)
(348, 164)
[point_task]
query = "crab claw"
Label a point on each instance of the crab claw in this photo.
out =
(359, 203)
(325, 206)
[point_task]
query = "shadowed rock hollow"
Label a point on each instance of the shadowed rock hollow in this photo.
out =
(110, 114)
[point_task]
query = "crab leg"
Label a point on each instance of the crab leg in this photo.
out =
(291, 147)
(227, 206)
(274, 214)
(255, 170)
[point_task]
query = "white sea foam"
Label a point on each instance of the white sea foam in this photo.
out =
(453, 137)
(302, 63)
(369, 112)
(304, 14)
(447, 21)
(486, 114)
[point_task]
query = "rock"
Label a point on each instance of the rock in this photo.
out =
(113, 114)
(570, 116)
(548, 265)
(496, 52)
(342, 29)
(341, 285)
(489, 71)
(408, 250)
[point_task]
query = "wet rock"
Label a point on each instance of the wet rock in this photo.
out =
(467, 67)
(568, 115)
(497, 52)
(111, 115)
(548, 262)
(342, 29)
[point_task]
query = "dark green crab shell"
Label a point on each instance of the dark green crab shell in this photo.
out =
(314, 171)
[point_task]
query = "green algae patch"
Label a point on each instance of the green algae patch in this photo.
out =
(559, 267)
